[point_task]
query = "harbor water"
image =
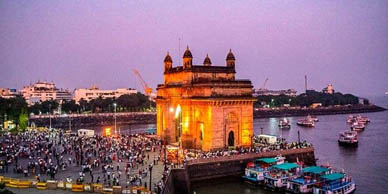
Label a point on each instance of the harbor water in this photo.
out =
(367, 164)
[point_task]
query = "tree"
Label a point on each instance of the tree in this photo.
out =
(70, 106)
(23, 120)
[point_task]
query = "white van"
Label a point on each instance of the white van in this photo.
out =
(271, 139)
(85, 132)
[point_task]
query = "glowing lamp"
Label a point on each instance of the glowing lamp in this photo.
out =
(108, 132)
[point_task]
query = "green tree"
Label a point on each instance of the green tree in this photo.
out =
(23, 120)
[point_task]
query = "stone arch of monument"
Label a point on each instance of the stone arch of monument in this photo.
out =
(232, 129)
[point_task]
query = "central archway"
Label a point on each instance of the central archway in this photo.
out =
(231, 138)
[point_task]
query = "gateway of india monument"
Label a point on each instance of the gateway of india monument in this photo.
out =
(204, 106)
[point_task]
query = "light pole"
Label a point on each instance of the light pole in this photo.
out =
(150, 185)
(50, 115)
(115, 105)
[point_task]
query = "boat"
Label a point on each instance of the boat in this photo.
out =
(313, 118)
(362, 119)
(338, 183)
(305, 183)
(306, 123)
(351, 119)
(348, 138)
(254, 173)
(356, 126)
(276, 178)
(284, 124)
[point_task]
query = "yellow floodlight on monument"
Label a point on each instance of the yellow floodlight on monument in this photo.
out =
(108, 131)
(178, 111)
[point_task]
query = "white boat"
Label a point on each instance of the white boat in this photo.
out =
(335, 183)
(348, 138)
(277, 178)
(305, 183)
(254, 172)
(284, 124)
(306, 123)
(356, 126)
(313, 118)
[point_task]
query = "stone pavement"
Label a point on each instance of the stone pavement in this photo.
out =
(74, 170)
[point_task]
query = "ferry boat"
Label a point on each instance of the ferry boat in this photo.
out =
(313, 118)
(254, 173)
(335, 183)
(356, 126)
(305, 183)
(362, 119)
(348, 138)
(284, 124)
(350, 119)
(306, 123)
(276, 179)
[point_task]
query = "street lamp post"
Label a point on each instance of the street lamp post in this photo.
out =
(50, 115)
(150, 185)
(115, 105)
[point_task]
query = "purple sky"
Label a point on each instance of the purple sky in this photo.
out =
(79, 43)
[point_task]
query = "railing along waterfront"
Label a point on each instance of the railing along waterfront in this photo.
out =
(90, 115)
(249, 156)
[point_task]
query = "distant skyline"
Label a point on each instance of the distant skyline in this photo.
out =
(79, 43)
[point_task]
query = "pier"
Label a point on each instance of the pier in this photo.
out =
(197, 170)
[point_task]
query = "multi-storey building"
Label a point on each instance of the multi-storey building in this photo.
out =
(329, 89)
(266, 92)
(94, 92)
(43, 91)
(8, 93)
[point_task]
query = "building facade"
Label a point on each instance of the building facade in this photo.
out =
(204, 106)
(43, 91)
(329, 89)
(94, 92)
(266, 92)
(8, 93)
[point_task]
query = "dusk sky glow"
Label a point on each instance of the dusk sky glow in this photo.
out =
(80, 43)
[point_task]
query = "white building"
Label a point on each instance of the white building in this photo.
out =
(94, 92)
(329, 89)
(8, 93)
(43, 91)
(266, 92)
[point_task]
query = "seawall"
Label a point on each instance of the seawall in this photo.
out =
(291, 111)
(78, 121)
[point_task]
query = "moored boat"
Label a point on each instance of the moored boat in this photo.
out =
(276, 179)
(348, 138)
(305, 183)
(254, 173)
(338, 183)
(284, 124)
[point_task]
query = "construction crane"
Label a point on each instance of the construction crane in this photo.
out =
(265, 83)
(147, 90)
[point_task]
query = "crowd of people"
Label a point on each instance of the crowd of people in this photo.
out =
(122, 160)
(258, 147)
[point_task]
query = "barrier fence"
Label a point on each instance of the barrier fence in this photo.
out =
(53, 185)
